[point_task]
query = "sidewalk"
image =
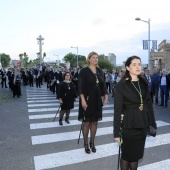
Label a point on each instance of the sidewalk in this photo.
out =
(16, 150)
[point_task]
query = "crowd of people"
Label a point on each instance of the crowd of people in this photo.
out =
(134, 90)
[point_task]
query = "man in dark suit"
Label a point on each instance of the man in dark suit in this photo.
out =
(148, 77)
(4, 75)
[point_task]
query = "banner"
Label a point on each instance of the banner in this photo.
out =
(154, 44)
(145, 44)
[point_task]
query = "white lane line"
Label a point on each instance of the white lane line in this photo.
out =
(162, 165)
(78, 155)
(41, 101)
(50, 138)
(44, 104)
(37, 91)
(45, 116)
(39, 95)
(55, 124)
(42, 139)
(35, 98)
(55, 109)
(47, 104)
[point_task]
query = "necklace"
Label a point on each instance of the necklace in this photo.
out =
(97, 81)
(140, 94)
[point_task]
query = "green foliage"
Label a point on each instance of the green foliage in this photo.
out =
(72, 58)
(24, 59)
(105, 63)
(44, 55)
(5, 59)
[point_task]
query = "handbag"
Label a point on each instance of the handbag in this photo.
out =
(151, 131)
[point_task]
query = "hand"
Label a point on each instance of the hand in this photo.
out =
(105, 101)
(60, 101)
(84, 104)
(118, 141)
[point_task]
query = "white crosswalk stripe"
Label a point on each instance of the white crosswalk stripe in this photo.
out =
(76, 156)
(41, 139)
(42, 107)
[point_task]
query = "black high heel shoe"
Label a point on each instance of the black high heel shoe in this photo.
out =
(92, 147)
(86, 147)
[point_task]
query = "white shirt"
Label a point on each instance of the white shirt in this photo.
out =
(163, 81)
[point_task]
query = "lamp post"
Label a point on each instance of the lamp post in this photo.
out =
(77, 54)
(57, 59)
(138, 19)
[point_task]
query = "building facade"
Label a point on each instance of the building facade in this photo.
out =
(112, 58)
(161, 59)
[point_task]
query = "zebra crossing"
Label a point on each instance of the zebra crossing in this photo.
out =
(66, 153)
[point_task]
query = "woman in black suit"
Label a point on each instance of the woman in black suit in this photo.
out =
(67, 96)
(132, 99)
(91, 87)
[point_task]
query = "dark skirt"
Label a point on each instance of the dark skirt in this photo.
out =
(133, 144)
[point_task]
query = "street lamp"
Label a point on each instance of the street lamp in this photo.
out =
(57, 59)
(138, 19)
(77, 54)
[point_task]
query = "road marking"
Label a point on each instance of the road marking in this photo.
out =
(78, 155)
(162, 165)
(41, 101)
(50, 138)
(35, 98)
(37, 91)
(47, 104)
(44, 116)
(55, 124)
(39, 95)
(55, 109)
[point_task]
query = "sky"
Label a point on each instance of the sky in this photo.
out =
(103, 26)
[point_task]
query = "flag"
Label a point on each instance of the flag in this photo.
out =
(145, 44)
(154, 44)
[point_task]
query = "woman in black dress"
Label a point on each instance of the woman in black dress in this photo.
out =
(132, 99)
(67, 96)
(91, 88)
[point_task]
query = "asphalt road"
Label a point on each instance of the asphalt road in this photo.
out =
(30, 140)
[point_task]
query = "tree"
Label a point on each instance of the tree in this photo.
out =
(5, 59)
(24, 59)
(72, 58)
(44, 55)
(104, 63)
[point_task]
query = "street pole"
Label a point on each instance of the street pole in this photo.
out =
(77, 55)
(149, 43)
(57, 59)
(148, 22)
(40, 39)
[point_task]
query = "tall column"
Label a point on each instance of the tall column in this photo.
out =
(40, 39)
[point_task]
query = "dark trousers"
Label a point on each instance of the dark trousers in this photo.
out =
(38, 83)
(108, 86)
(156, 91)
(4, 82)
(164, 95)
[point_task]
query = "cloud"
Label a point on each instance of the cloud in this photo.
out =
(98, 21)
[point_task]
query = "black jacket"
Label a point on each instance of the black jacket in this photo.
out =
(127, 102)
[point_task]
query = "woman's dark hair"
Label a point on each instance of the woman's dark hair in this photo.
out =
(67, 72)
(127, 63)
